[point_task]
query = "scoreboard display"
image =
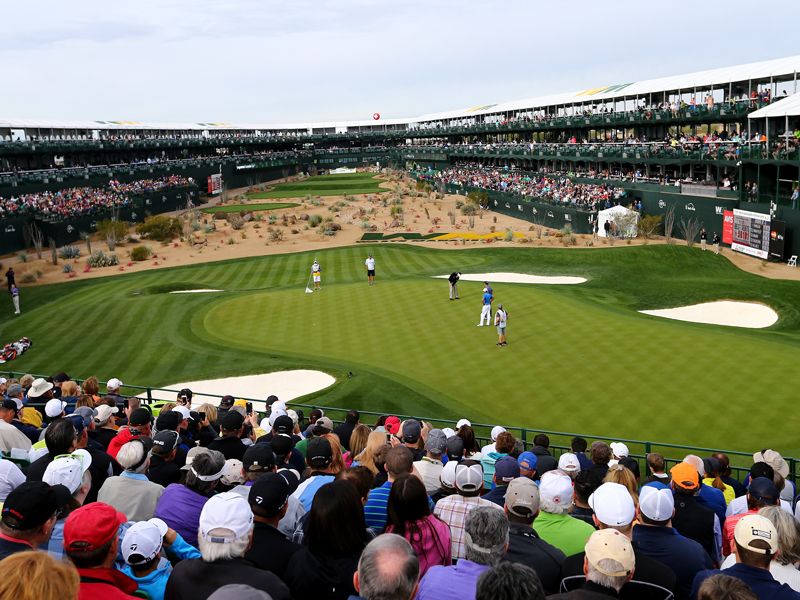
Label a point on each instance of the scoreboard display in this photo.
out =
(751, 233)
(214, 184)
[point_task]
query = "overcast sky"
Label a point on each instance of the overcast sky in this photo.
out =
(268, 61)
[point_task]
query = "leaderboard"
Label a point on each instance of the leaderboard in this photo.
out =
(751, 233)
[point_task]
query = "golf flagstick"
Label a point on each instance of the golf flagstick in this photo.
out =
(308, 289)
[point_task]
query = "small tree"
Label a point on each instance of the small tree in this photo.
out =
(690, 229)
(669, 223)
(36, 237)
(87, 237)
(113, 230)
(53, 251)
(650, 225)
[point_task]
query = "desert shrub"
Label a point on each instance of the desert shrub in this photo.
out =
(459, 204)
(315, 202)
(272, 219)
(113, 230)
(231, 241)
(23, 256)
(314, 220)
(99, 258)
(650, 225)
(68, 252)
(509, 235)
(28, 278)
(275, 235)
(67, 268)
(210, 228)
(160, 228)
(236, 221)
(140, 253)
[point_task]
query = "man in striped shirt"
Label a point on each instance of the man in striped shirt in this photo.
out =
(399, 460)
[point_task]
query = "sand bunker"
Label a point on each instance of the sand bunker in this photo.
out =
(198, 291)
(722, 312)
(286, 385)
(518, 278)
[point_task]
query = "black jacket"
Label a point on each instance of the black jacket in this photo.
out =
(527, 548)
(231, 447)
(321, 578)
(695, 521)
(196, 579)
(344, 431)
(544, 460)
(103, 435)
(163, 473)
(589, 591)
(271, 550)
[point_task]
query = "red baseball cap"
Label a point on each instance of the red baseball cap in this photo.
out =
(392, 425)
(91, 527)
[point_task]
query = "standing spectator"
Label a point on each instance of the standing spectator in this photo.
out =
(15, 298)
(225, 534)
(230, 444)
(131, 492)
(335, 536)
(370, 264)
(29, 516)
(554, 524)
(454, 509)
(409, 515)
(181, 505)
(486, 541)
(486, 308)
(453, 279)
(91, 542)
(38, 576)
(11, 280)
(430, 467)
(345, 430)
(501, 321)
(509, 581)
(656, 538)
(756, 542)
(387, 570)
(319, 457)
(524, 544)
(270, 550)
(399, 460)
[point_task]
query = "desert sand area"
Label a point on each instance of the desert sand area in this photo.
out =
(261, 235)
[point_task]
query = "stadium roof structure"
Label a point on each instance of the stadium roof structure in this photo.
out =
(787, 107)
(779, 70)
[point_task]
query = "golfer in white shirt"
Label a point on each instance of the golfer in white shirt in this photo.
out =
(370, 264)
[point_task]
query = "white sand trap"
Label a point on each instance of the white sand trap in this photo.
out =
(286, 385)
(518, 278)
(197, 291)
(722, 312)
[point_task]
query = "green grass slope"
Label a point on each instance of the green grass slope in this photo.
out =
(235, 208)
(324, 185)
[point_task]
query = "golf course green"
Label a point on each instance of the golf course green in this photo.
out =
(323, 185)
(261, 206)
(580, 357)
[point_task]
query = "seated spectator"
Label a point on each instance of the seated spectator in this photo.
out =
(570, 464)
(760, 469)
(756, 542)
(59, 438)
(472, 450)
(454, 509)
(410, 435)
(503, 445)
(544, 460)
(524, 544)
(358, 442)
(430, 467)
(225, 533)
(361, 478)
(11, 477)
(725, 474)
(399, 460)
(725, 587)
(505, 471)
(455, 448)
(105, 429)
(527, 462)
(335, 536)
(448, 480)
(131, 492)
(141, 548)
(656, 466)
(345, 429)
(29, 516)
(181, 505)
(489, 448)
(138, 426)
(712, 479)
(709, 496)
(163, 469)
(609, 563)
(270, 550)
(781, 467)
(614, 509)
(387, 570)
(600, 453)
(409, 515)
(554, 523)
(285, 454)
(584, 485)
(486, 541)
(783, 565)
(38, 576)
(509, 581)
(619, 450)
(578, 446)
(762, 492)
(692, 519)
(319, 457)
(230, 443)
(71, 471)
(656, 538)
(91, 542)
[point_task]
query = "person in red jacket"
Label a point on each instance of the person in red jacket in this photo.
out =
(91, 542)
(138, 425)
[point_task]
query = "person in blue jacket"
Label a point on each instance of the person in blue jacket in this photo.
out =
(141, 548)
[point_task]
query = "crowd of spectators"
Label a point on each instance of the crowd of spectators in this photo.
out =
(79, 201)
(109, 498)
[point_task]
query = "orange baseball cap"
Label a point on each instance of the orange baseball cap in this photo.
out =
(685, 476)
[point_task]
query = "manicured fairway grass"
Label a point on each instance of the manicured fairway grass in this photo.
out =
(324, 185)
(580, 358)
(235, 208)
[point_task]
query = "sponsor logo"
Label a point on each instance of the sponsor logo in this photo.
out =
(719, 210)
(662, 204)
(728, 219)
(10, 229)
(133, 216)
(70, 229)
(495, 202)
(534, 211)
(519, 207)
(93, 224)
(550, 215)
(567, 217)
(690, 206)
(507, 205)
(148, 201)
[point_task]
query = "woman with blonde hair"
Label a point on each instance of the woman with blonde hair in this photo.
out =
(35, 575)
(376, 442)
(624, 476)
(358, 441)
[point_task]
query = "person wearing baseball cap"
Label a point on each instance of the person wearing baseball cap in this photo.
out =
(527, 465)
(708, 496)
(609, 564)
(29, 516)
(430, 467)
(319, 458)
(454, 509)
(163, 469)
(105, 429)
(570, 464)
(10, 410)
(504, 445)
(691, 518)
(409, 435)
(230, 443)
(141, 548)
(225, 533)
(762, 492)
(505, 470)
(91, 542)
(72, 472)
(524, 544)
(756, 543)
(138, 426)
(656, 538)
(554, 524)
(614, 508)
(496, 430)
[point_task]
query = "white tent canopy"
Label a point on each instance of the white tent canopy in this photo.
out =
(788, 107)
(622, 221)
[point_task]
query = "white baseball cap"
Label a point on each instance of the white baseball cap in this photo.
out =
(54, 407)
(462, 422)
(756, 527)
(184, 412)
(522, 493)
(568, 463)
(3, 380)
(448, 432)
(226, 511)
(469, 478)
(619, 449)
(556, 487)
(448, 474)
(497, 430)
(274, 414)
(656, 504)
(610, 543)
(233, 472)
(104, 413)
(114, 384)
(68, 470)
(612, 504)
(143, 540)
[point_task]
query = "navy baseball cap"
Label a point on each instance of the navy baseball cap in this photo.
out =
(763, 489)
(506, 469)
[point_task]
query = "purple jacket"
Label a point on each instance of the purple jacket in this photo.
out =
(179, 507)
